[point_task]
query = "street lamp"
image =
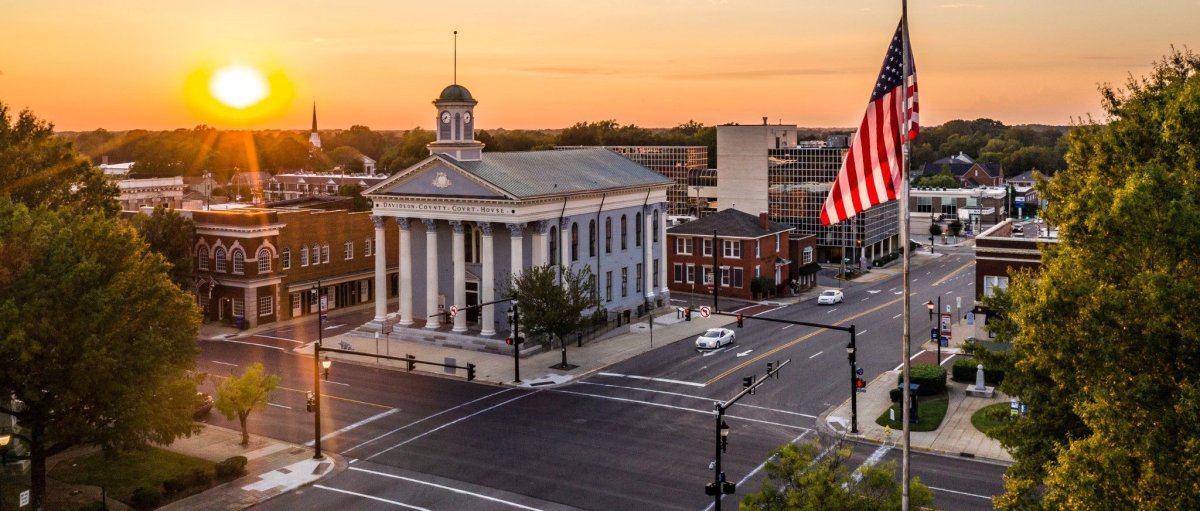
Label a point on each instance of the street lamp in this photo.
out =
(4, 439)
(851, 350)
(325, 365)
(317, 372)
(929, 305)
(724, 428)
(937, 327)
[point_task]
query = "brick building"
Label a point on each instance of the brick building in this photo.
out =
(748, 247)
(261, 265)
(1001, 250)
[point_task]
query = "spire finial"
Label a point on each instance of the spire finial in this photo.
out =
(456, 57)
(314, 127)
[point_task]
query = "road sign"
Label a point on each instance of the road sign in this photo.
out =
(25, 498)
(453, 310)
(324, 303)
(1019, 201)
(859, 371)
(387, 328)
(945, 323)
(970, 318)
(705, 311)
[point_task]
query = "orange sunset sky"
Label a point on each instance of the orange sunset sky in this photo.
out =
(548, 64)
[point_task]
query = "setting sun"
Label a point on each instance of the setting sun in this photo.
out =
(238, 86)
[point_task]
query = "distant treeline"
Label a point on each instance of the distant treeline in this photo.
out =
(191, 152)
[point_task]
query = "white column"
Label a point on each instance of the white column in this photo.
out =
(564, 245)
(662, 261)
(648, 283)
(460, 275)
(518, 249)
(380, 269)
(405, 255)
(487, 280)
(431, 275)
(539, 242)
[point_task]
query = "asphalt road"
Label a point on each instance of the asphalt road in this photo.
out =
(605, 442)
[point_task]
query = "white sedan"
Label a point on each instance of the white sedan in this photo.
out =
(715, 338)
(829, 297)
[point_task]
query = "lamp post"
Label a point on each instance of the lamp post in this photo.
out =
(317, 373)
(4, 439)
(936, 326)
(929, 306)
(722, 443)
(325, 365)
(850, 353)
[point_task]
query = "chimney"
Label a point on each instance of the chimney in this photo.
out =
(764, 220)
(764, 120)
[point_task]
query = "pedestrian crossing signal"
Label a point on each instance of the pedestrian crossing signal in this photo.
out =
(860, 384)
(739, 319)
(687, 314)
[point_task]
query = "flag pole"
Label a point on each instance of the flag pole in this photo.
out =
(904, 238)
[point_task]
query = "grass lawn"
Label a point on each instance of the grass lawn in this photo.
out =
(930, 412)
(128, 470)
(990, 417)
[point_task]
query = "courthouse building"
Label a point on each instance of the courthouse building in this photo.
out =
(468, 220)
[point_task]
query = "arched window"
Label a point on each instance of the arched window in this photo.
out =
(592, 238)
(637, 230)
(472, 241)
(654, 226)
(316, 254)
(264, 261)
(202, 258)
(553, 246)
(219, 256)
(303, 256)
(574, 241)
(608, 235)
(623, 231)
(239, 261)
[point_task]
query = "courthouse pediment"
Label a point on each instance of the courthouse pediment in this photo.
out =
(437, 178)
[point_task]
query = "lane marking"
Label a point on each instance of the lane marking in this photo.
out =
(870, 461)
(787, 327)
(451, 423)
(956, 270)
(830, 311)
(744, 353)
(960, 492)
(865, 299)
(337, 383)
(444, 487)
(776, 410)
(862, 332)
(223, 363)
(370, 497)
(901, 366)
(680, 408)
(898, 315)
(280, 406)
(427, 418)
(355, 425)
(796, 341)
(768, 310)
(660, 380)
(280, 338)
(244, 342)
(815, 354)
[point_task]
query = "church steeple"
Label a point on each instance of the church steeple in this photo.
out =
(314, 137)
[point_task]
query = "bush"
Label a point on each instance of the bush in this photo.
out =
(94, 505)
(964, 371)
(931, 378)
(177, 484)
(231, 468)
(146, 498)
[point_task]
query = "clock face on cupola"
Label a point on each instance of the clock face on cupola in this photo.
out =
(456, 124)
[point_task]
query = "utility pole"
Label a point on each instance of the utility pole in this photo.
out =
(317, 373)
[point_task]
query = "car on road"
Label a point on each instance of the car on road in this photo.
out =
(829, 297)
(204, 404)
(715, 338)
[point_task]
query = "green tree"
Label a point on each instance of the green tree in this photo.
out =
(799, 478)
(357, 202)
(552, 307)
(935, 229)
(237, 397)
(95, 338)
(956, 227)
(170, 235)
(944, 179)
(1104, 351)
(39, 169)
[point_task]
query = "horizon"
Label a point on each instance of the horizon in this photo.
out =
(650, 64)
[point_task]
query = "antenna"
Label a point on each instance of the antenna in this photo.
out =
(456, 57)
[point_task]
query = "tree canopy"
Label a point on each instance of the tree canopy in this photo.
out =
(240, 395)
(95, 339)
(1016, 148)
(1104, 350)
(38, 168)
(548, 308)
(169, 234)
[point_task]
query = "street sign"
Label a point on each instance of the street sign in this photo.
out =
(1019, 201)
(970, 318)
(453, 310)
(387, 328)
(324, 303)
(25, 498)
(859, 371)
(945, 323)
(705, 311)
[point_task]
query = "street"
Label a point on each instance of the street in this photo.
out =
(635, 435)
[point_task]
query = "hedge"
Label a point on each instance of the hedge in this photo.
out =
(231, 468)
(146, 498)
(964, 371)
(931, 378)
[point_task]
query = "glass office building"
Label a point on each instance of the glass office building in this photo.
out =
(685, 165)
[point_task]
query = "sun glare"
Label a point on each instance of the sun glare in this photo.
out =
(238, 86)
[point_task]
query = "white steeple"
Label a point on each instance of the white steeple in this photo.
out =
(314, 138)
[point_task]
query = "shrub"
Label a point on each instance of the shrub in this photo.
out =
(146, 498)
(177, 484)
(231, 468)
(201, 477)
(931, 378)
(94, 505)
(964, 371)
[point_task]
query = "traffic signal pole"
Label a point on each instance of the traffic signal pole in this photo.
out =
(720, 487)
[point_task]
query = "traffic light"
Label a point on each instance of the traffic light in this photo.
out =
(508, 341)
(770, 365)
(687, 314)
(470, 372)
(860, 384)
(711, 489)
(739, 318)
(412, 362)
(747, 382)
(310, 401)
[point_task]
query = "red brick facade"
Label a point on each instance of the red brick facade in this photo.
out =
(741, 259)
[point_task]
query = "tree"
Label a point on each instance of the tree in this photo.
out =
(956, 226)
(550, 309)
(799, 478)
(357, 202)
(39, 169)
(237, 397)
(1105, 353)
(95, 338)
(170, 235)
(935, 229)
(944, 179)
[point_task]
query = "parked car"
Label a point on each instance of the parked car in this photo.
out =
(829, 297)
(204, 404)
(715, 338)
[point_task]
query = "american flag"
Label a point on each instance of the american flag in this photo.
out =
(872, 171)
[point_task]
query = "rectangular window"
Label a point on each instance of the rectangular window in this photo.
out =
(777, 235)
(239, 308)
(286, 259)
(706, 246)
(992, 282)
(706, 275)
(691, 273)
(367, 252)
(808, 255)
(203, 263)
(608, 286)
(348, 250)
(737, 277)
(757, 271)
(266, 305)
(682, 247)
(724, 276)
(325, 254)
(624, 282)
(304, 256)
(239, 262)
(295, 299)
(757, 248)
(678, 272)
(655, 279)
(638, 279)
(732, 248)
